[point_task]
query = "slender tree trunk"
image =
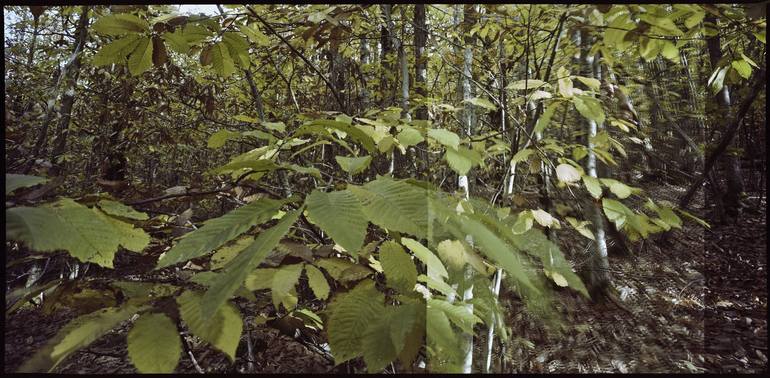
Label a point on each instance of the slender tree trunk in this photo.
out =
(420, 82)
(469, 120)
(599, 275)
(68, 100)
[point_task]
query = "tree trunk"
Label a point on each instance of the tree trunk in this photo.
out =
(599, 274)
(68, 100)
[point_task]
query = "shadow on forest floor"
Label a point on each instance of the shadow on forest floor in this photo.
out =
(699, 303)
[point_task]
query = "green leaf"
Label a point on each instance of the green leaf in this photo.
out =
(668, 216)
(222, 329)
(400, 272)
(353, 165)
(537, 244)
(566, 88)
(524, 222)
(117, 51)
(528, 84)
(742, 67)
(453, 253)
(339, 214)
(355, 133)
(444, 346)
(435, 267)
(616, 211)
(243, 166)
(260, 279)
(351, 314)
(86, 234)
(140, 59)
(282, 287)
(237, 47)
(445, 137)
(694, 19)
(459, 314)
(409, 137)
(221, 59)
(228, 252)
(545, 118)
(219, 138)
(649, 48)
(593, 186)
(543, 218)
(522, 155)
(218, 231)
(590, 108)
(581, 227)
(670, 51)
(77, 334)
(119, 24)
(177, 41)
(317, 282)
(462, 159)
(716, 81)
(236, 271)
(120, 210)
(481, 102)
(617, 188)
(394, 205)
(195, 33)
(567, 173)
(275, 126)
(154, 345)
(254, 35)
(590, 82)
(13, 182)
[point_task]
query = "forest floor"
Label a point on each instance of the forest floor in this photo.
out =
(696, 303)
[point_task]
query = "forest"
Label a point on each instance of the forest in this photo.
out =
(385, 188)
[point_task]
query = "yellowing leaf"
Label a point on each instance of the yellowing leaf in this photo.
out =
(317, 282)
(445, 137)
(559, 279)
(222, 330)
(282, 287)
(353, 165)
(593, 186)
(567, 173)
(543, 218)
(154, 345)
(453, 253)
(481, 102)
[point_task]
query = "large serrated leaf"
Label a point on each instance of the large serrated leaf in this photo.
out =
(222, 329)
(436, 269)
(282, 286)
(353, 165)
(13, 181)
(351, 314)
(459, 314)
(117, 51)
(394, 205)
(236, 271)
(119, 24)
(120, 210)
(445, 137)
(317, 282)
(154, 345)
(221, 60)
(400, 272)
(77, 334)
(340, 215)
(86, 234)
(140, 59)
(218, 231)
